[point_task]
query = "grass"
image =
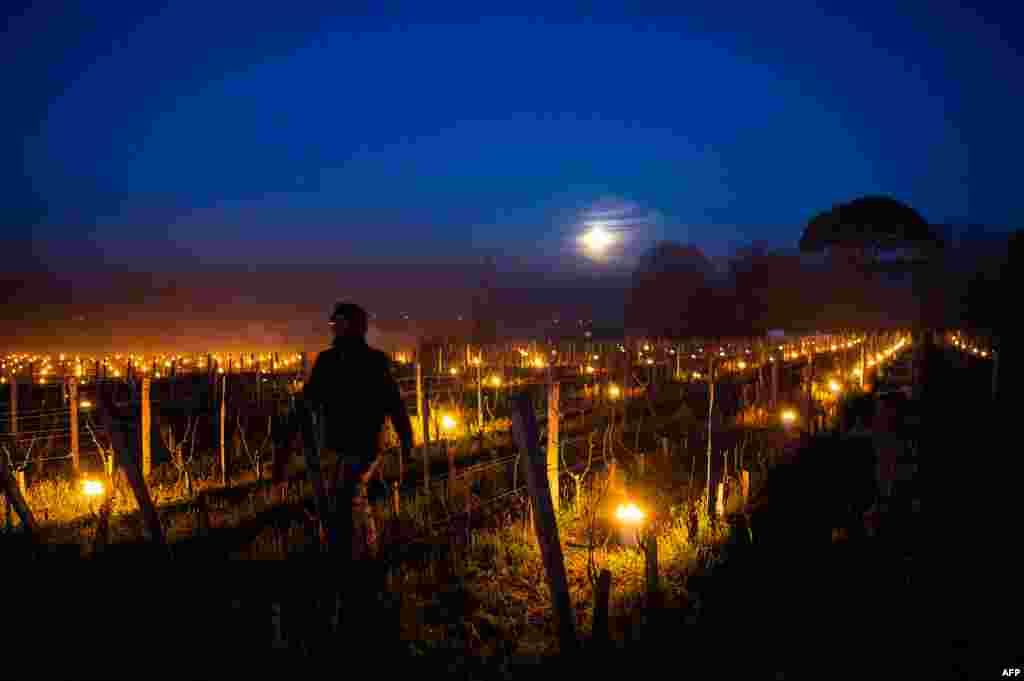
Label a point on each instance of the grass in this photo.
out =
(497, 580)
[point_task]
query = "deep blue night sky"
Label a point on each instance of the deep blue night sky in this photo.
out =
(272, 133)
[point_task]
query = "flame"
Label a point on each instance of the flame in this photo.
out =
(629, 513)
(447, 422)
(92, 488)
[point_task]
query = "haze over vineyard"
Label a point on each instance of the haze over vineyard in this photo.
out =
(194, 306)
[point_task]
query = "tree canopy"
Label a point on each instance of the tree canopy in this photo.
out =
(869, 224)
(860, 231)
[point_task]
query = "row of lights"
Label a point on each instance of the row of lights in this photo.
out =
(835, 387)
(972, 349)
(141, 365)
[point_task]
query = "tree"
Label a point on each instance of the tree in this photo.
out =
(770, 290)
(864, 229)
(877, 234)
(670, 293)
(881, 234)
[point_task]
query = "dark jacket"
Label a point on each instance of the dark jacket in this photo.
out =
(353, 383)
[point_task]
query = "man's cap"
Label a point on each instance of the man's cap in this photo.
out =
(350, 312)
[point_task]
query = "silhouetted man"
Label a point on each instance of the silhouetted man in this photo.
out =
(352, 384)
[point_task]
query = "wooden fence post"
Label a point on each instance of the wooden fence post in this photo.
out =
(223, 417)
(600, 636)
(995, 374)
(626, 376)
(810, 397)
(554, 417)
(73, 399)
(863, 365)
(775, 384)
(449, 453)
(14, 489)
(423, 408)
(14, 407)
(123, 429)
(480, 394)
(145, 430)
(711, 407)
(524, 427)
(651, 567)
(99, 540)
(401, 467)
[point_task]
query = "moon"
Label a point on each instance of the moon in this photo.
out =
(597, 239)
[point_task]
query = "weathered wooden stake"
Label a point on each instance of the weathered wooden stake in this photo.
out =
(810, 389)
(863, 365)
(401, 467)
(554, 418)
(423, 408)
(73, 399)
(124, 435)
(651, 565)
(202, 515)
(524, 427)
(145, 430)
(480, 395)
(449, 453)
(99, 540)
(775, 384)
(600, 637)
(995, 374)
(14, 407)
(223, 418)
(14, 490)
(711, 407)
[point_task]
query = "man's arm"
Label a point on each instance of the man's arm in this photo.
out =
(397, 412)
(313, 391)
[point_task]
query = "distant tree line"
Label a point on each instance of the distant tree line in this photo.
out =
(878, 264)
